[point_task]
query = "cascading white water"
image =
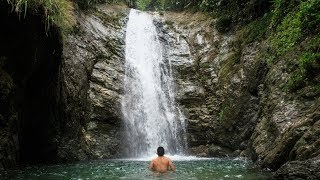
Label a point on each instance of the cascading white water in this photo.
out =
(151, 117)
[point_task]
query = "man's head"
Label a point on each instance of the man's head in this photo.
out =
(160, 151)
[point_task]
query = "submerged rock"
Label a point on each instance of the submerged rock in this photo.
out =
(217, 151)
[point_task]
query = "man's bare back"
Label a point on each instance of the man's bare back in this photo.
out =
(161, 164)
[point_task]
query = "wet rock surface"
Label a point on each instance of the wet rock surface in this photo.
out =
(309, 169)
(94, 68)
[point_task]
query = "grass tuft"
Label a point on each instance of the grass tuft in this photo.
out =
(57, 12)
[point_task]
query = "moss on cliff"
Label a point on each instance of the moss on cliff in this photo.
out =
(290, 31)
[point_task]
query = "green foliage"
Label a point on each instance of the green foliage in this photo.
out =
(143, 4)
(165, 4)
(309, 64)
(310, 16)
(297, 80)
(208, 5)
(304, 18)
(256, 30)
(309, 61)
(308, 11)
(280, 9)
(292, 30)
(86, 4)
(292, 22)
(237, 10)
(58, 12)
(313, 43)
(287, 33)
(178, 5)
(151, 4)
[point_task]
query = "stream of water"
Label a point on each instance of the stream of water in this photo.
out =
(151, 116)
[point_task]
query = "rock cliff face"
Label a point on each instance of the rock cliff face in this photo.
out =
(94, 69)
(288, 128)
(214, 84)
(237, 104)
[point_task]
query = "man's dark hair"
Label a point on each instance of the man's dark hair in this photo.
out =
(160, 151)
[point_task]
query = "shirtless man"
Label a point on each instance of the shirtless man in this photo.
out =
(161, 164)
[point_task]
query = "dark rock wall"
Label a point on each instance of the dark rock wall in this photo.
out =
(31, 103)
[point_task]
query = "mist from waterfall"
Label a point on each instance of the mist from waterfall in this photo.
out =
(151, 117)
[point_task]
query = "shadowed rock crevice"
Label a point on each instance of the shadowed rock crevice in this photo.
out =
(31, 106)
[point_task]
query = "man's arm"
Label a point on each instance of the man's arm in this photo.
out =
(151, 165)
(172, 166)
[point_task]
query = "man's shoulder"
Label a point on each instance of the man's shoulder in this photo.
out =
(162, 157)
(156, 159)
(168, 159)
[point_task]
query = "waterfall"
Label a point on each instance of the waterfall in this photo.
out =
(151, 117)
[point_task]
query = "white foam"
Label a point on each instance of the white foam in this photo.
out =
(172, 157)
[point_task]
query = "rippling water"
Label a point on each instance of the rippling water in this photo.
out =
(137, 169)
